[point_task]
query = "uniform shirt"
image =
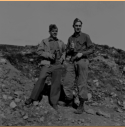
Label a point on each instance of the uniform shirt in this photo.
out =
(82, 42)
(54, 47)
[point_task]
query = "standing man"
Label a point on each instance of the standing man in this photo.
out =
(51, 50)
(79, 47)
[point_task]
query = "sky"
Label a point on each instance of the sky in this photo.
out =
(27, 22)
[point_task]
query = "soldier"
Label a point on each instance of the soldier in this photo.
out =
(79, 47)
(52, 52)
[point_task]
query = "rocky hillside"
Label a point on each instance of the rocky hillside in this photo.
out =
(106, 90)
(25, 58)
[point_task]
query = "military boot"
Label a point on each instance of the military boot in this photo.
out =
(68, 101)
(29, 101)
(80, 108)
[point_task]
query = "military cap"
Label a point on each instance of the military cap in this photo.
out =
(76, 20)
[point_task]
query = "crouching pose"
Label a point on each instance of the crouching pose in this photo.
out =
(51, 50)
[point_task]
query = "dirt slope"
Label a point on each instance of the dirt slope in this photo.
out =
(106, 105)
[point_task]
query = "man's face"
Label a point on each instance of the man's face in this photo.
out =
(53, 33)
(77, 27)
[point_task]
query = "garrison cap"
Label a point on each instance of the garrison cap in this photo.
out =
(76, 20)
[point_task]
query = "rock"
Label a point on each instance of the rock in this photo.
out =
(124, 104)
(94, 104)
(42, 119)
(79, 122)
(17, 100)
(76, 101)
(96, 80)
(123, 88)
(3, 85)
(35, 103)
(18, 93)
(2, 115)
(124, 96)
(119, 103)
(70, 119)
(25, 117)
(5, 97)
(49, 123)
(59, 119)
(101, 113)
(9, 124)
(2, 60)
(13, 104)
(111, 100)
(97, 84)
(31, 60)
(36, 113)
(123, 116)
(117, 124)
(89, 96)
(91, 111)
(118, 110)
(82, 120)
(45, 112)
(73, 121)
(37, 108)
(120, 81)
(10, 98)
(75, 93)
(36, 79)
(113, 94)
(22, 113)
(86, 124)
(116, 119)
(0, 85)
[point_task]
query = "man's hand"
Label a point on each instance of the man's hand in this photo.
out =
(79, 55)
(52, 56)
(62, 58)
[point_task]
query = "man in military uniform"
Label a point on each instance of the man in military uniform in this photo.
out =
(79, 47)
(52, 52)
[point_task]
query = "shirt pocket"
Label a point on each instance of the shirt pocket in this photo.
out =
(81, 41)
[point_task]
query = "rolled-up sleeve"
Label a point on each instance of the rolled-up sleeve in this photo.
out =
(88, 42)
(40, 48)
(89, 45)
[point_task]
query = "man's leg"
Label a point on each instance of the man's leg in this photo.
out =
(56, 85)
(68, 84)
(82, 68)
(39, 86)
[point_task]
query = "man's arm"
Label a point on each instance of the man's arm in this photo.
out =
(89, 47)
(41, 51)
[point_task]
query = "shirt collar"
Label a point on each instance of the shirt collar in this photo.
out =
(53, 39)
(76, 35)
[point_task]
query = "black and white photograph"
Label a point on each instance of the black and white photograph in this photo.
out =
(62, 63)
